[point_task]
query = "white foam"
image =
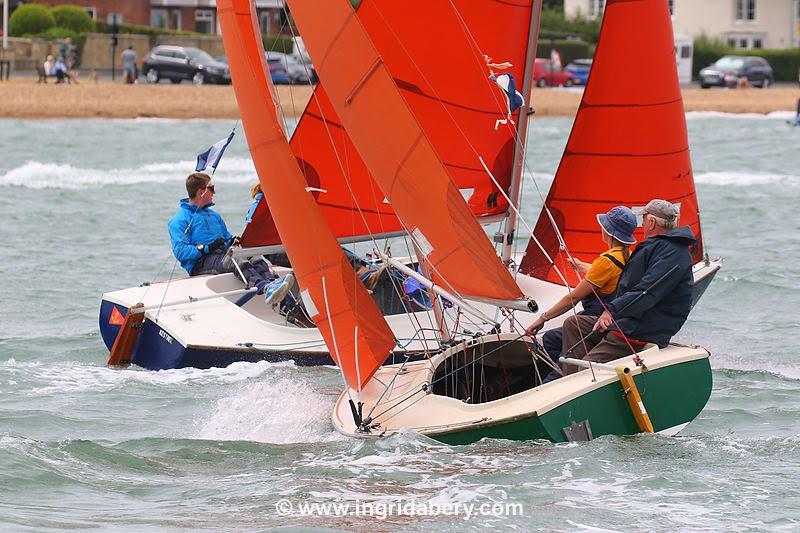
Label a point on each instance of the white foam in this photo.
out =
(277, 409)
(774, 115)
(71, 378)
(744, 179)
(37, 175)
(722, 362)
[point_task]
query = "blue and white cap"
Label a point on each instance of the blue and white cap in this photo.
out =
(620, 223)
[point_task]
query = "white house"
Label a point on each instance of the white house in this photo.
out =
(739, 23)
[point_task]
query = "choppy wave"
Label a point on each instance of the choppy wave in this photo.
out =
(744, 179)
(277, 409)
(774, 115)
(37, 175)
(47, 379)
(723, 362)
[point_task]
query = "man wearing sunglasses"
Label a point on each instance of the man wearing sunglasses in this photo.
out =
(200, 241)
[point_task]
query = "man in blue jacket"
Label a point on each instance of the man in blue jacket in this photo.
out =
(634, 318)
(200, 241)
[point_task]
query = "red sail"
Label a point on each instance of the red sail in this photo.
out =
(628, 144)
(437, 65)
(351, 324)
(398, 153)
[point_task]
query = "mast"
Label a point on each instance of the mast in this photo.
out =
(515, 187)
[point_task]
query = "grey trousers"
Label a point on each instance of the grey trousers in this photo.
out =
(608, 348)
(218, 262)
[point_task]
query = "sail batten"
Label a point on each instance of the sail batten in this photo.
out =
(628, 144)
(326, 278)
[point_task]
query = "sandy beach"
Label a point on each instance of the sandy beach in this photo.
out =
(24, 98)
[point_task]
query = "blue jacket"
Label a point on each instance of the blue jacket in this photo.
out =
(252, 211)
(192, 226)
(659, 314)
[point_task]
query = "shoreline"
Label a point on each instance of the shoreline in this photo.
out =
(23, 98)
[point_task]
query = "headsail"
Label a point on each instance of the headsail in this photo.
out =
(329, 285)
(442, 44)
(628, 144)
(397, 151)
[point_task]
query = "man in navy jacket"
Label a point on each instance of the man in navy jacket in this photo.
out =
(634, 318)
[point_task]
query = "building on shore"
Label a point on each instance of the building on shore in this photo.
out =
(189, 15)
(738, 23)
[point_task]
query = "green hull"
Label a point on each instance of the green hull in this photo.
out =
(673, 395)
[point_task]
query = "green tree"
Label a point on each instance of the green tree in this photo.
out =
(73, 18)
(30, 19)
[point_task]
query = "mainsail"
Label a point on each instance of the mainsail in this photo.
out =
(628, 144)
(445, 80)
(351, 324)
(396, 149)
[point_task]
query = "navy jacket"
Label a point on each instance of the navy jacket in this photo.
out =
(659, 314)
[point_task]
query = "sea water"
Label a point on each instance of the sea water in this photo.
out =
(84, 207)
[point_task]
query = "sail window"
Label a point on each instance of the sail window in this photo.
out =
(422, 242)
(309, 303)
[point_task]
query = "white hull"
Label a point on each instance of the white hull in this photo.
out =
(256, 331)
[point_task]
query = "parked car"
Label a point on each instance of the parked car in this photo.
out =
(580, 70)
(727, 70)
(544, 75)
(178, 63)
(285, 68)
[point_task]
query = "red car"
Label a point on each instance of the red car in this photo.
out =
(544, 75)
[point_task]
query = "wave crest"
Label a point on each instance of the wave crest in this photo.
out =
(37, 175)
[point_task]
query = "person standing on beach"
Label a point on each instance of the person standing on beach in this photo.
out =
(129, 64)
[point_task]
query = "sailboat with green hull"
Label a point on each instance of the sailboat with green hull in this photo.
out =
(435, 397)
(627, 136)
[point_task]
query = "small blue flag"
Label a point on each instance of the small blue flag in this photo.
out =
(211, 157)
(509, 86)
(514, 100)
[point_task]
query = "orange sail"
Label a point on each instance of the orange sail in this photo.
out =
(348, 319)
(353, 204)
(628, 144)
(446, 78)
(398, 153)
